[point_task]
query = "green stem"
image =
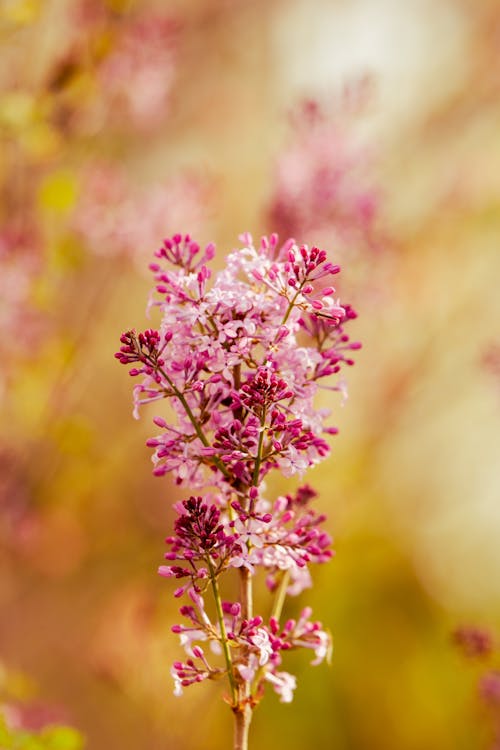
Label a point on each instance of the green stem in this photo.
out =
(280, 596)
(193, 421)
(223, 634)
(258, 458)
(291, 305)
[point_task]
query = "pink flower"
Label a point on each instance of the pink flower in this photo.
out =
(489, 688)
(283, 683)
(263, 644)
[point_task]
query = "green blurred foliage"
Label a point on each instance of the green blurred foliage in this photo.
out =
(53, 738)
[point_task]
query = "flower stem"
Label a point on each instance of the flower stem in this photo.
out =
(243, 712)
(193, 420)
(291, 305)
(242, 721)
(258, 458)
(280, 595)
(223, 634)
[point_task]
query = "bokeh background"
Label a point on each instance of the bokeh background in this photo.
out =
(370, 127)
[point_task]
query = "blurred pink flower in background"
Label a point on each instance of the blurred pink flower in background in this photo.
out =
(114, 216)
(138, 74)
(20, 261)
(323, 185)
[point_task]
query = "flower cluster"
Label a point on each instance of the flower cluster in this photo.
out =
(242, 355)
(242, 359)
(256, 647)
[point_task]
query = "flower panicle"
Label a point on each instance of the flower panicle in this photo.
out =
(241, 354)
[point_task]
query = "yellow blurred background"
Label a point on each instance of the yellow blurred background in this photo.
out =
(122, 122)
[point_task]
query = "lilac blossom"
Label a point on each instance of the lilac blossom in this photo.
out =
(114, 216)
(322, 182)
(241, 354)
(138, 75)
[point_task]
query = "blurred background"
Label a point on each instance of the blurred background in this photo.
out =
(370, 127)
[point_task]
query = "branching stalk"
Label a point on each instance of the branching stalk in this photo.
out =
(223, 634)
(192, 419)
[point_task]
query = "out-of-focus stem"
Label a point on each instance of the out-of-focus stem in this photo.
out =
(246, 594)
(280, 595)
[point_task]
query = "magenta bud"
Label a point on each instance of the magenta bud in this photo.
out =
(331, 430)
(165, 571)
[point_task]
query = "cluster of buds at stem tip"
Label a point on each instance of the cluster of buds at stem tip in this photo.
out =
(243, 356)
